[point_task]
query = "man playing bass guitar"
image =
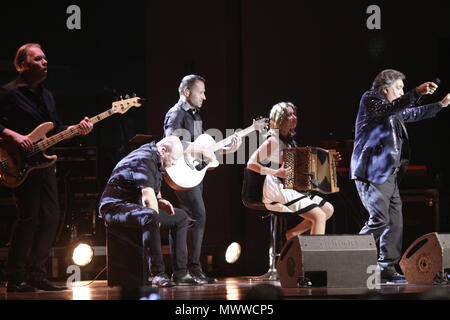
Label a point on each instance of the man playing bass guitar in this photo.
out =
(25, 104)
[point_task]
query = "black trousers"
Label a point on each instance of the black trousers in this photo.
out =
(192, 202)
(36, 225)
(137, 216)
(384, 205)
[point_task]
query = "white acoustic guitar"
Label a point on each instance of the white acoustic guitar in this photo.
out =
(182, 176)
(15, 164)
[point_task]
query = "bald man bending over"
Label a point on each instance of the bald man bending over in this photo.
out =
(132, 198)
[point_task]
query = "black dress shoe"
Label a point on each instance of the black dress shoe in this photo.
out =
(162, 280)
(186, 280)
(201, 277)
(392, 276)
(46, 285)
(20, 286)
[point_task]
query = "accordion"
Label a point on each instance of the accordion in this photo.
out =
(313, 169)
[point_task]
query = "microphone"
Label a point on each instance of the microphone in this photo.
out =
(436, 81)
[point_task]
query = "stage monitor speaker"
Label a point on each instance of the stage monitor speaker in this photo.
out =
(332, 261)
(127, 264)
(427, 260)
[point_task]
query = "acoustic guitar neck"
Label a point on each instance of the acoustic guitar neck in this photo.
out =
(219, 145)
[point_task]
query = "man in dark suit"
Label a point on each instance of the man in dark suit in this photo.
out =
(380, 157)
(24, 104)
(184, 120)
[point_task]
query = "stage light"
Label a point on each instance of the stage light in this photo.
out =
(87, 253)
(82, 254)
(233, 253)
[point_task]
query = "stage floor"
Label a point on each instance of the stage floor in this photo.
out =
(237, 289)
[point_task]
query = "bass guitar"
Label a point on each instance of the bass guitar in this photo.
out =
(16, 164)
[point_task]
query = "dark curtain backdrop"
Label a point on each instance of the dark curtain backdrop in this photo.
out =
(253, 54)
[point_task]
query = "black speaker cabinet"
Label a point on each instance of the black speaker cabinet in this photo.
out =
(329, 260)
(127, 263)
(427, 260)
(420, 213)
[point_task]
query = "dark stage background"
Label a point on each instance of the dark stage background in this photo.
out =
(253, 54)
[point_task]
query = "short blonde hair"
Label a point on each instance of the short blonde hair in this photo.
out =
(278, 114)
(22, 54)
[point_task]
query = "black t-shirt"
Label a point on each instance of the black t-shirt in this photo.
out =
(141, 168)
(400, 133)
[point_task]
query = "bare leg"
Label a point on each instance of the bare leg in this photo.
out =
(318, 218)
(302, 227)
(328, 209)
(311, 217)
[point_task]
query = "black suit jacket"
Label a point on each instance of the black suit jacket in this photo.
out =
(378, 130)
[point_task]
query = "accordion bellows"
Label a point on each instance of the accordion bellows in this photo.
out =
(313, 169)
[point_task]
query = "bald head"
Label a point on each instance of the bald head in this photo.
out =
(170, 149)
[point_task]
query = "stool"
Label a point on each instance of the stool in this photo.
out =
(127, 264)
(252, 188)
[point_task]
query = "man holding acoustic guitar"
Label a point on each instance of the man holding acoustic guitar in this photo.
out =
(25, 104)
(182, 117)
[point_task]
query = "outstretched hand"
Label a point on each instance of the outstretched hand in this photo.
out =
(427, 88)
(446, 101)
